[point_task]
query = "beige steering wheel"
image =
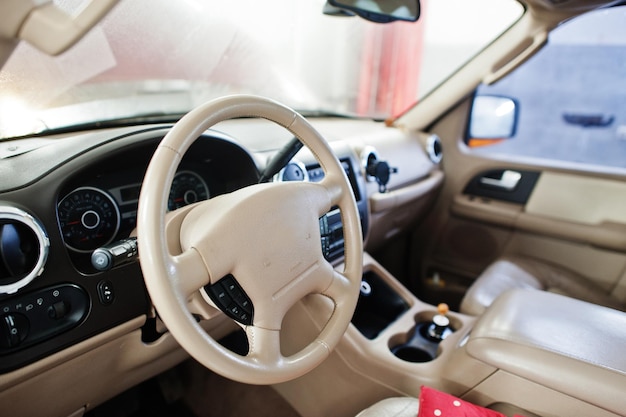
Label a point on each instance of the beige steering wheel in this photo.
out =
(265, 238)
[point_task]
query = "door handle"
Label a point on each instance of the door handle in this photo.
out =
(508, 181)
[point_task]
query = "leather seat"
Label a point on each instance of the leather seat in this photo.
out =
(393, 407)
(525, 272)
(409, 407)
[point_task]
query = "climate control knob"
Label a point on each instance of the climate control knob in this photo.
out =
(13, 330)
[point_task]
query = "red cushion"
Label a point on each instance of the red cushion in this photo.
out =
(435, 403)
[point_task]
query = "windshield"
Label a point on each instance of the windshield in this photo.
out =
(162, 58)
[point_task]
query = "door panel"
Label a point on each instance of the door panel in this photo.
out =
(510, 185)
(574, 219)
(579, 199)
(574, 208)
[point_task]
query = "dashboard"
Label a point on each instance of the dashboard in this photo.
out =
(79, 196)
(79, 201)
(72, 327)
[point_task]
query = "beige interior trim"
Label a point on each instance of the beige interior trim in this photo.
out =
(564, 344)
(606, 234)
(505, 387)
(14, 378)
(579, 203)
(494, 212)
(405, 195)
(94, 370)
(53, 31)
(45, 26)
(40, 389)
(527, 50)
(12, 15)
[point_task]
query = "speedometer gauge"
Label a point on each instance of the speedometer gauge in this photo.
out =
(187, 188)
(89, 218)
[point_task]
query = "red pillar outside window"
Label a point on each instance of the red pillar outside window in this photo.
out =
(390, 67)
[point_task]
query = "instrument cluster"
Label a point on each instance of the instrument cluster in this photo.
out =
(97, 206)
(80, 201)
(91, 217)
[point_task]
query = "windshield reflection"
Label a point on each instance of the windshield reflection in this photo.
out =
(158, 57)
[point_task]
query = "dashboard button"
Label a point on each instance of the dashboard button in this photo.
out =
(13, 330)
(221, 296)
(231, 299)
(105, 292)
(30, 318)
(58, 310)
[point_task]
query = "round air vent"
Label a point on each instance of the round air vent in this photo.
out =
(24, 249)
(434, 149)
(369, 157)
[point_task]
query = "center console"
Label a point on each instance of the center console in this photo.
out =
(535, 352)
(532, 353)
(386, 352)
(380, 305)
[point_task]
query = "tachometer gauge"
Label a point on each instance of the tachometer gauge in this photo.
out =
(89, 218)
(187, 188)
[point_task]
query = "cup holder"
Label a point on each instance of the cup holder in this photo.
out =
(418, 345)
(414, 354)
(414, 346)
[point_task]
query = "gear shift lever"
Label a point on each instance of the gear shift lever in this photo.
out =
(439, 329)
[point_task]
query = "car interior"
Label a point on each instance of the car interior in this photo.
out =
(245, 258)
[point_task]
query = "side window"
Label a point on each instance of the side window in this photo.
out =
(567, 103)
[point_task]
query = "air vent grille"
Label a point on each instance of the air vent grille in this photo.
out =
(24, 249)
(369, 156)
(434, 149)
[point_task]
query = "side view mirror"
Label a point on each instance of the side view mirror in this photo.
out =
(381, 11)
(492, 119)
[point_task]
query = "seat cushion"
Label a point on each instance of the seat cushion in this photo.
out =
(393, 407)
(524, 272)
(433, 403)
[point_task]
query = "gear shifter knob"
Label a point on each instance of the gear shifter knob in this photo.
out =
(440, 327)
(443, 309)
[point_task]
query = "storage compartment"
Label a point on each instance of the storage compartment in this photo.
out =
(378, 306)
(442, 285)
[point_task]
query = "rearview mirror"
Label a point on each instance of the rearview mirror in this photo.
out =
(492, 119)
(381, 11)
